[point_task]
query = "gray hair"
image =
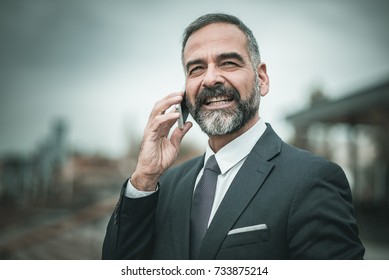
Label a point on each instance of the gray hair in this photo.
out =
(207, 19)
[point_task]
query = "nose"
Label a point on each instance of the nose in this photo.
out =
(212, 77)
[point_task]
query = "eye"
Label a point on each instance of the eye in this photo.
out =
(196, 70)
(229, 64)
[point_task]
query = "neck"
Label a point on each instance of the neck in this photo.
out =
(219, 141)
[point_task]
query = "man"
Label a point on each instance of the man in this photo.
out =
(272, 200)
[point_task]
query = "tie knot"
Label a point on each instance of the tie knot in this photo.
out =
(212, 165)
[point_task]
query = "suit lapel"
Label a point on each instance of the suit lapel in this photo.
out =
(180, 209)
(246, 184)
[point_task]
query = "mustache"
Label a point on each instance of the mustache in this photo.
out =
(219, 90)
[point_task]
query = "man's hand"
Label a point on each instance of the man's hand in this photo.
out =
(157, 151)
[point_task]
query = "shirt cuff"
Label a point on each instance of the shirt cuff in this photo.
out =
(132, 192)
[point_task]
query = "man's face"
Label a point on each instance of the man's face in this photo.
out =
(222, 87)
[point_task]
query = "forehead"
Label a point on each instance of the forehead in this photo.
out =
(216, 38)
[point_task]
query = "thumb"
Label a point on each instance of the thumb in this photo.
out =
(178, 134)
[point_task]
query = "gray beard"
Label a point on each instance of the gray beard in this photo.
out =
(225, 121)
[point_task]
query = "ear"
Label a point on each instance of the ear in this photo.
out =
(263, 79)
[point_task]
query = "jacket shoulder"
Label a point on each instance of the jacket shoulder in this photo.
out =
(303, 157)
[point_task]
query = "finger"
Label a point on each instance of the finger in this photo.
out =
(178, 134)
(165, 103)
(163, 123)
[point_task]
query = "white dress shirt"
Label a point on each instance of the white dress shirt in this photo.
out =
(230, 159)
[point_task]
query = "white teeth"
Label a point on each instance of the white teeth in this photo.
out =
(218, 103)
(217, 99)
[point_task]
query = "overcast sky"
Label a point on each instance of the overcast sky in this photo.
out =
(101, 65)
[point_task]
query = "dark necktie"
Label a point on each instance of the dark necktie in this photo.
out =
(202, 204)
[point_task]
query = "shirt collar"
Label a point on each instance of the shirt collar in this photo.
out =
(238, 149)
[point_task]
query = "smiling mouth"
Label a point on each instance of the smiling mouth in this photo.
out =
(218, 100)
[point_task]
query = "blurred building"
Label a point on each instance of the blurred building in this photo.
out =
(26, 179)
(55, 203)
(354, 132)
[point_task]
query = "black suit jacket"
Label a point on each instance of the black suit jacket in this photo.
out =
(284, 203)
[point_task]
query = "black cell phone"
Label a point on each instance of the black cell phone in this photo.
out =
(184, 112)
